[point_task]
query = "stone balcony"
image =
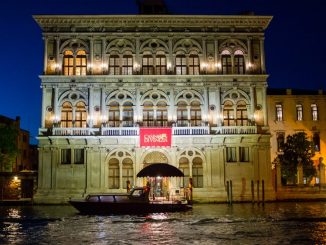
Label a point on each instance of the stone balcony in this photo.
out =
(134, 131)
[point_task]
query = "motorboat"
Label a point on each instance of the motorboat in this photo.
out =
(135, 202)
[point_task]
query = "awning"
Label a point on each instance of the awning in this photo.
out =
(160, 169)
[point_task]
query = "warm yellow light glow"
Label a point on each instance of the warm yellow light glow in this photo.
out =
(168, 66)
(15, 178)
(218, 65)
(249, 65)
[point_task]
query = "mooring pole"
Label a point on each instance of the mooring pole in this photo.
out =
(263, 191)
(227, 192)
(258, 192)
(252, 192)
(231, 192)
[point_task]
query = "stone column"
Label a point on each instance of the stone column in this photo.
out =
(91, 54)
(265, 105)
(103, 107)
(218, 106)
(43, 107)
(262, 56)
(45, 55)
(57, 56)
(206, 104)
(55, 104)
(104, 64)
(90, 107)
(249, 54)
(217, 56)
(252, 103)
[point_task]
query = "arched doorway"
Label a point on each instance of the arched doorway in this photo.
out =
(159, 184)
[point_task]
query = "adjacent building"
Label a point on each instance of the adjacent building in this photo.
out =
(120, 92)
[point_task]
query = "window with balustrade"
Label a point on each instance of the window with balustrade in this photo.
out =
(314, 112)
(299, 112)
(228, 114)
(242, 114)
(128, 115)
(180, 65)
(195, 113)
(197, 173)
(114, 176)
(127, 172)
(148, 114)
(66, 115)
(114, 65)
(161, 114)
(160, 66)
(193, 65)
(127, 65)
(114, 114)
(184, 167)
(182, 114)
(148, 65)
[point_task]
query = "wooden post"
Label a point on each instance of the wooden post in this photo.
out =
(263, 191)
(252, 192)
(258, 192)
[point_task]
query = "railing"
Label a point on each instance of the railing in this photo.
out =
(75, 131)
(134, 131)
(202, 130)
(235, 130)
(121, 131)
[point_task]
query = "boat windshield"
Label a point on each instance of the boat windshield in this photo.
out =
(137, 192)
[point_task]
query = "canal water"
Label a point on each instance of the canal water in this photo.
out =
(275, 223)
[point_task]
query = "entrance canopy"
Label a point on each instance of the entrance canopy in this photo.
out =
(160, 169)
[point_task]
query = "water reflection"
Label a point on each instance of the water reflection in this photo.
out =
(276, 223)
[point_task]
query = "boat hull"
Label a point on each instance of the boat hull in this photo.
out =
(105, 208)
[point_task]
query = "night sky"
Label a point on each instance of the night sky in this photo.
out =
(294, 44)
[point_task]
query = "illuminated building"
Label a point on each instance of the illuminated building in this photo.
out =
(291, 111)
(107, 78)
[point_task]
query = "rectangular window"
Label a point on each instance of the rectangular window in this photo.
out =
(231, 154)
(279, 112)
(314, 112)
(160, 65)
(244, 154)
(114, 66)
(148, 65)
(239, 64)
(280, 141)
(114, 176)
(299, 113)
(197, 176)
(193, 65)
(127, 65)
(316, 140)
(226, 64)
(65, 156)
(79, 156)
(180, 65)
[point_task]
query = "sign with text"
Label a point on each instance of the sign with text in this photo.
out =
(155, 137)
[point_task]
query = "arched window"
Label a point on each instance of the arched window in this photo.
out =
(68, 63)
(66, 115)
(184, 167)
(127, 172)
(127, 65)
(148, 114)
(161, 114)
(195, 113)
(81, 63)
(180, 65)
(193, 62)
(160, 65)
(182, 114)
(242, 114)
(148, 65)
(228, 114)
(127, 115)
(226, 62)
(114, 65)
(114, 174)
(239, 62)
(81, 115)
(197, 172)
(74, 65)
(114, 114)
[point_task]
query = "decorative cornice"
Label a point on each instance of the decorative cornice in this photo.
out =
(102, 23)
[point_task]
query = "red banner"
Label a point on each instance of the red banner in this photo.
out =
(155, 137)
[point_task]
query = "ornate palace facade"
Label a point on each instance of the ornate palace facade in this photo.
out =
(106, 78)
